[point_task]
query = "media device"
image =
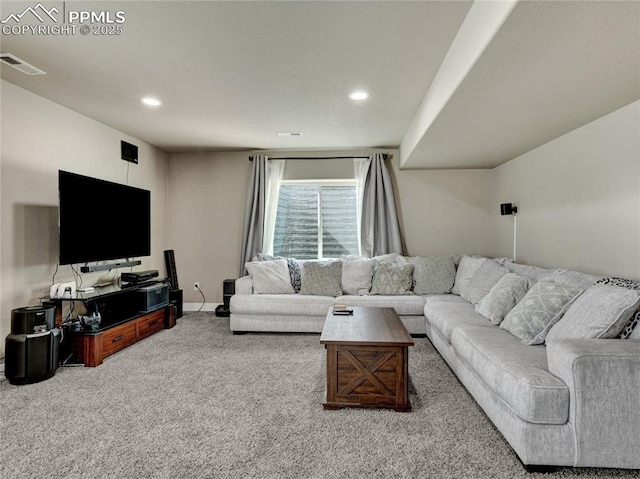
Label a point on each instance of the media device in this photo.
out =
(137, 277)
(100, 220)
(152, 297)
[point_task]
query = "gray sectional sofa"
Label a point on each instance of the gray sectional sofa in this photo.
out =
(546, 359)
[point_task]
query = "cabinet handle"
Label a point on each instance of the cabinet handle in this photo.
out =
(119, 338)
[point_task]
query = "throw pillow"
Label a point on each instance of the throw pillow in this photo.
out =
(575, 279)
(270, 277)
(292, 264)
(536, 273)
(433, 274)
(503, 297)
(357, 276)
(322, 279)
(392, 279)
(485, 277)
(599, 313)
(541, 308)
(627, 329)
(466, 269)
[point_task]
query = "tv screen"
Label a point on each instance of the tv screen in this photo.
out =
(100, 220)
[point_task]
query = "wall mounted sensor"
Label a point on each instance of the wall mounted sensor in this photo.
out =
(508, 209)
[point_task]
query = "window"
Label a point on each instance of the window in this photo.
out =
(316, 219)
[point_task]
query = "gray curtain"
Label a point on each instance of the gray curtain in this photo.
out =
(380, 230)
(253, 228)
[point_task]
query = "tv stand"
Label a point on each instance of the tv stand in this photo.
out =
(121, 324)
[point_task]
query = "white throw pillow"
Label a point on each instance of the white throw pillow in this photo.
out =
(485, 277)
(599, 313)
(357, 276)
(270, 277)
(503, 297)
(466, 269)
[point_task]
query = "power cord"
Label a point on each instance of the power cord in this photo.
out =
(203, 299)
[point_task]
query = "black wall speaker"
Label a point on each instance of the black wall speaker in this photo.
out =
(508, 209)
(129, 152)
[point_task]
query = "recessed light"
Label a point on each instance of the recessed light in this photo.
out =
(150, 101)
(359, 95)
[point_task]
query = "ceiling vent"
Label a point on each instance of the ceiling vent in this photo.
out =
(21, 65)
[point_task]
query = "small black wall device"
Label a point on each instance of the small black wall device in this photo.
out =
(508, 209)
(129, 152)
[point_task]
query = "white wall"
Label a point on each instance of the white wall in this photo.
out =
(441, 212)
(578, 198)
(38, 138)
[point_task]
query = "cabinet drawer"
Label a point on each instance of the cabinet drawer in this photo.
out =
(150, 324)
(118, 338)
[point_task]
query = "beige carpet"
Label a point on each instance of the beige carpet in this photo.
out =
(196, 401)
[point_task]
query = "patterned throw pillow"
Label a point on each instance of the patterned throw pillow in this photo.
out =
(392, 279)
(433, 274)
(503, 297)
(635, 317)
(322, 279)
(292, 265)
(541, 308)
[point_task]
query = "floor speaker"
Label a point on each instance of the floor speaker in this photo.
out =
(175, 296)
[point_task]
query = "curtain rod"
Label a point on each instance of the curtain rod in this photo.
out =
(384, 156)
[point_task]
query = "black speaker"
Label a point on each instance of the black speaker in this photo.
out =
(228, 290)
(175, 297)
(129, 152)
(508, 209)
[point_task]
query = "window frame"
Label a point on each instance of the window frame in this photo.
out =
(320, 183)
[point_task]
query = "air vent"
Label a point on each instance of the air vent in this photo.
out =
(290, 134)
(21, 65)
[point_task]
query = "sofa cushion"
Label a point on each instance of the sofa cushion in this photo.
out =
(541, 308)
(599, 313)
(281, 304)
(322, 279)
(466, 269)
(446, 316)
(485, 277)
(357, 276)
(516, 374)
(409, 305)
(432, 274)
(392, 279)
(502, 298)
(450, 298)
(270, 277)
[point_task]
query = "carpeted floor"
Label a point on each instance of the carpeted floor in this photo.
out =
(196, 401)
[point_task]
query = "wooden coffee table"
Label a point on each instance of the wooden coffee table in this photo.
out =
(367, 359)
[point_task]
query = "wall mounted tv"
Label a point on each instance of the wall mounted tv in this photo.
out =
(100, 220)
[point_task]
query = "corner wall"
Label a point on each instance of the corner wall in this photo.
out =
(40, 137)
(578, 199)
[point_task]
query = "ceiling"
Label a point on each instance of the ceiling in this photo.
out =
(232, 75)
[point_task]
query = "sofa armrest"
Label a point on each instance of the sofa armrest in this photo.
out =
(244, 285)
(603, 376)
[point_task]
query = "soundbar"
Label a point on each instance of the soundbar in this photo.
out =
(136, 277)
(104, 267)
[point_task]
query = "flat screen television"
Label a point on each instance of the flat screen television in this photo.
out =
(100, 220)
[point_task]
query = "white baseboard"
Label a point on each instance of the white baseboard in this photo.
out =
(196, 306)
